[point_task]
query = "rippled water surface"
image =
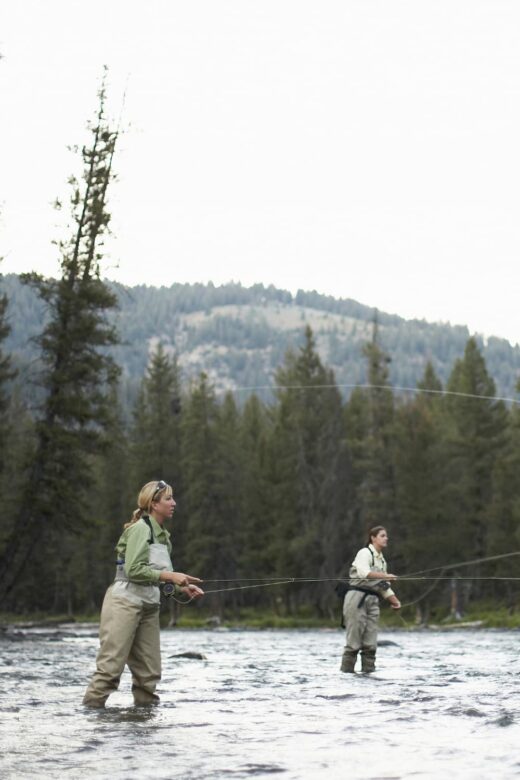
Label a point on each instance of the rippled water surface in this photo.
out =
(267, 704)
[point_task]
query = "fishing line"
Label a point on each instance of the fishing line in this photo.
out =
(266, 582)
(427, 593)
(464, 563)
(238, 587)
(302, 580)
(299, 580)
(273, 388)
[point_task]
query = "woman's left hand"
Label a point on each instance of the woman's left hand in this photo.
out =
(193, 591)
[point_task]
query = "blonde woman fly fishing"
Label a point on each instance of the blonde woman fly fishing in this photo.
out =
(129, 631)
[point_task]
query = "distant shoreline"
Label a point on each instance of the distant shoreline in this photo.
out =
(13, 629)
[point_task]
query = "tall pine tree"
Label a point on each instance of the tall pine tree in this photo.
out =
(476, 438)
(6, 375)
(76, 380)
(201, 507)
(376, 465)
(423, 540)
(156, 445)
(258, 511)
(310, 486)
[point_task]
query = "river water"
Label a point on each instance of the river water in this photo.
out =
(266, 704)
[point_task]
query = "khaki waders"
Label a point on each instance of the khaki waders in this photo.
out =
(129, 634)
(361, 616)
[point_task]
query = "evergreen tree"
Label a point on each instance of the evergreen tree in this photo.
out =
(476, 438)
(201, 500)
(111, 502)
(308, 455)
(6, 375)
(256, 534)
(377, 488)
(156, 446)
(229, 494)
(424, 538)
(504, 510)
(76, 379)
(356, 421)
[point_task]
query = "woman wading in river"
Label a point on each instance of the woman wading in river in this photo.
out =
(369, 581)
(129, 631)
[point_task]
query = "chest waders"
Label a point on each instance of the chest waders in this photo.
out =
(361, 621)
(129, 633)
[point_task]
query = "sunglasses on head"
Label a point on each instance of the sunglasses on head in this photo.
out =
(161, 485)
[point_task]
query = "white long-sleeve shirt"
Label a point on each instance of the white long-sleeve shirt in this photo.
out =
(369, 559)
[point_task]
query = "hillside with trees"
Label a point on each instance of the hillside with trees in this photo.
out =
(239, 336)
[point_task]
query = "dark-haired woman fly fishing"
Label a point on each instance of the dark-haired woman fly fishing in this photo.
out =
(368, 582)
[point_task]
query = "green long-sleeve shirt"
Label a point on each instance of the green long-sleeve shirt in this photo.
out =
(133, 546)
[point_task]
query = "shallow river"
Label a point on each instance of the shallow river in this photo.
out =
(267, 704)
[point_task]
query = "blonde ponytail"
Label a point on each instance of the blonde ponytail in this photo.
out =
(136, 515)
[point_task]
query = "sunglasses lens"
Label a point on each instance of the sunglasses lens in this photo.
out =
(161, 485)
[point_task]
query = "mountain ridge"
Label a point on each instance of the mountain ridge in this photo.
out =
(239, 335)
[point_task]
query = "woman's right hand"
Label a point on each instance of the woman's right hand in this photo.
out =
(178, 578)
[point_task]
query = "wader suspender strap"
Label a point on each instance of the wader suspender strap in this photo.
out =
(148, 522)
(366, 591)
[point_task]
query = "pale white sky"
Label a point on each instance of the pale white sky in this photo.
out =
(367, 149)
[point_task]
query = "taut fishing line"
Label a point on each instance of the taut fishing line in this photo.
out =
(273, 388)
(266, 582)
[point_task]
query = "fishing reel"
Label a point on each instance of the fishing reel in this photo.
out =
(168, 589)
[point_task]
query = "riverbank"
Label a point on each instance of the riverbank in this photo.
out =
(478, 617)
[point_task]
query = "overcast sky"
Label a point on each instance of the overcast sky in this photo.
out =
(367, 149)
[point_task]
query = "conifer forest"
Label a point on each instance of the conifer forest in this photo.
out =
(279, 485)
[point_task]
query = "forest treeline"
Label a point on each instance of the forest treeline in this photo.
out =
(283, 486)
(284, 489)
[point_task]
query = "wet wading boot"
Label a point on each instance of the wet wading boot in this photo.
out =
(348, 660)
(96, 704)
(144, 698)
(368, 661)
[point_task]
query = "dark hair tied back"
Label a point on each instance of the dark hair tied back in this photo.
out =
(374, 532)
